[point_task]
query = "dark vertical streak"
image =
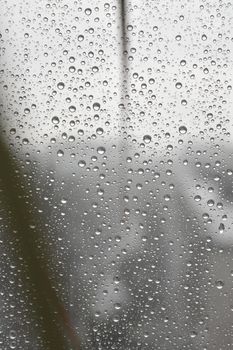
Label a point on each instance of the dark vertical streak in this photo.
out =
(124, 48)
(124, 91)
(123, 18)
(124, 68)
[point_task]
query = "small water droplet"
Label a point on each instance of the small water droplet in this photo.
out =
(210, 202)
(72, 109)
(55, 120)
(72, 69)
(178, 37)
(117, 306)
(60, 153)
(184, 102)
(96, 106)
(178, 85)
(82, 163)
(147, 138)
(193, 334)
(221, 228)
(101, 150)
(182, 129)
(88, 11)
(25, 141)
(99, 131)
(219, 284)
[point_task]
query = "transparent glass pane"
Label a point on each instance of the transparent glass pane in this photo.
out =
(116, 175)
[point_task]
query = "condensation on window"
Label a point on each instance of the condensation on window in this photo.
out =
(116, 175)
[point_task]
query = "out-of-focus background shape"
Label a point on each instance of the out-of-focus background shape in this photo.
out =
(126, 148)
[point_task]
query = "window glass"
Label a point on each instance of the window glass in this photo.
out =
(116, 174)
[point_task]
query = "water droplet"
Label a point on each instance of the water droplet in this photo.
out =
(99, 131)
(82, 163)
(13, 131)
(178, 85)
(182, 129)
(210, 202)
(25, 141)
(139, 186)
(221, 228)
(183, 63)
(100, 192)
(71, 138)
(95, 69)
(219, 284)
(96, 106)
(116, 319)
(167, 197)
(193, 334)
(60, 153)
(184, 102)
(72, 69)
(55, 120)
(72, 109)
(178, 37)
(98, 232)
(12, 334)
(147, 138)
(117, 306)
(72, 59)
(60, 85)
(88, 11)
(101, 150)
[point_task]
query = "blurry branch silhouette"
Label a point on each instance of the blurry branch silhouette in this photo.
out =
(125, 68)
(57, 330)
(123, 14)
(124, 47)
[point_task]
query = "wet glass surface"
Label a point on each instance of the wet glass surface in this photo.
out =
(118, 116)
